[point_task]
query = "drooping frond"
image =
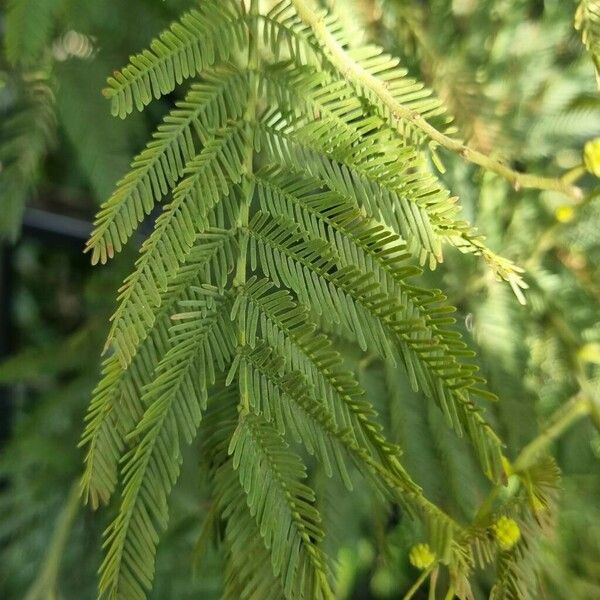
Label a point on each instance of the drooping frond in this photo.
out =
(244, 579)
(295, 209)
(200, 39)
(373, 249)
(287, 328)
(105, 431)
(201, 345)
(207, 106)
(359, 172)
(209, 178)
(378, 321)
(283, 506)
(279, 27)
(116, 406)
(286, 399)
(249, 580)
(385, 176)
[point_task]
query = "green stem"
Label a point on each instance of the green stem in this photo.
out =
(250, 117)
(417, 584)
(248, 187)
(567, 415)
(450, 593)
(574, 174)
(401, 114)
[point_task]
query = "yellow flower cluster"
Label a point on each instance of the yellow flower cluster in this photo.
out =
(507, 532)
(421, 556)
(564, 214)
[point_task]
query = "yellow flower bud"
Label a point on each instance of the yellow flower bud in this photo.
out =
(507, 532)
(591, 157)
(564, 214)
(421, 556)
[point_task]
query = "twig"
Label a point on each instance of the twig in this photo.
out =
(567, 415)
(417, 584)
(450, 593)
(340, 59)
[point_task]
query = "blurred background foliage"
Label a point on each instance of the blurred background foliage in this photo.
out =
(522, 88)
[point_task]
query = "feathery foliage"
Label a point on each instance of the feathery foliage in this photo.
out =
(280, 303)
(274, 164)
(296, 199)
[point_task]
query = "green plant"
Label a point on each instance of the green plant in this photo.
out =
(300, 197)
(514, 75)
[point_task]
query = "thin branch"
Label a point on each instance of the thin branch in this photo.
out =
(352, 70)
(239, 279)
(571, 412)
(450, 593)
(418, 583)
